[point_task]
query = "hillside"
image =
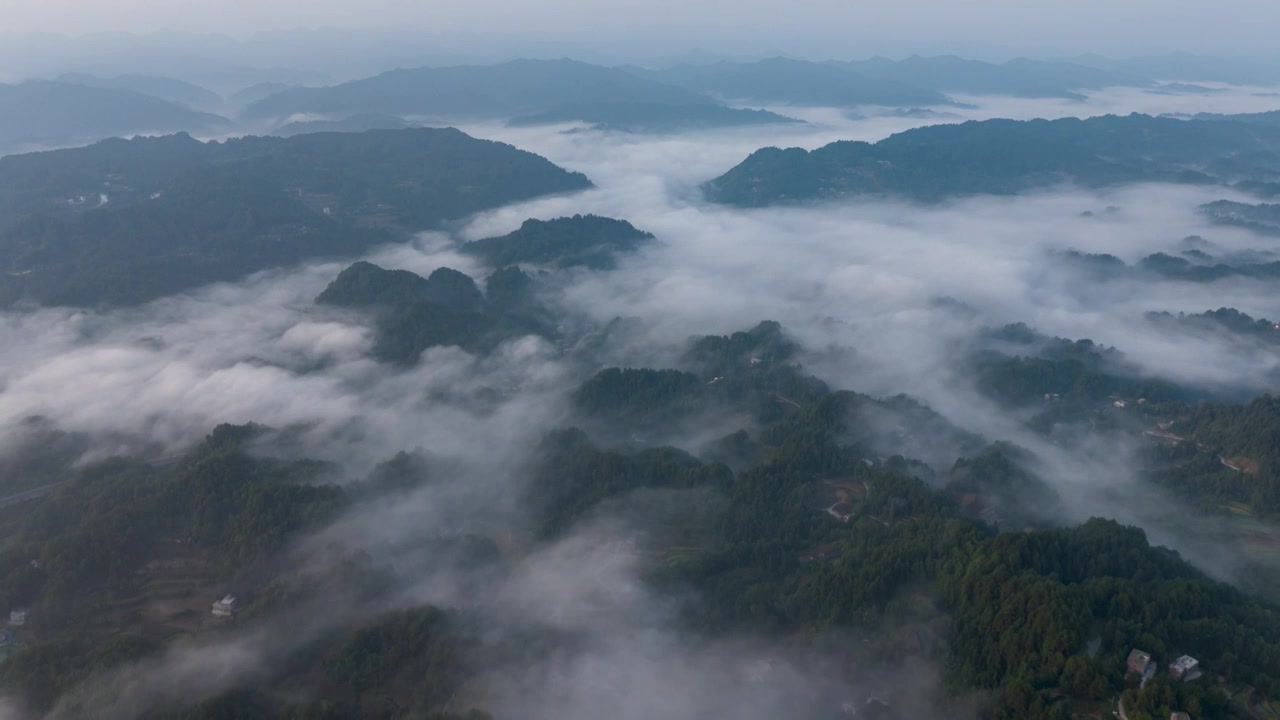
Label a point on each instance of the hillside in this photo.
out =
(354, 123)
(1019, 77)
(519, 87)
(411, 313)
(173, 213)
(40, 114)
(795, 82)
(581, 240)
(168, 89)
(1004, 157)
(654, 118)
(807, 535)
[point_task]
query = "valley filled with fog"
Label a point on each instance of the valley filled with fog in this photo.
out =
(589, 607)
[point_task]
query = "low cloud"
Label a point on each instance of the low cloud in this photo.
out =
(856, 283)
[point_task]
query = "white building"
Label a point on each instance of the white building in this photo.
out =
(18, 617)
(1185, 667)
(225, 607)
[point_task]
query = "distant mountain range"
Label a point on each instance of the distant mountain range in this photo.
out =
(1019, 77)
(256, 92)
(880, 81)
(794, 82)
(549, 87)
(172, 90)
(38, 114)
(520, 87)
(81, 108)
(1192, 68)
(1006, 156)
(654, 117)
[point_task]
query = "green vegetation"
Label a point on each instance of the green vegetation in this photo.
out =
(1004, 157)
(127, 221)
(998, 478)
(1164, 696)
(748, 376)
(97, 540)
(1228, 320)
(412, 313)
(827, 521)
(640, 397)
(1021, 367)
(582, 240)
(1261, 218)
(1024, 606)
(1188, 266)
(400, 664)
(1246, 436)
(408, 655)
(1180, 268)
(1217, 455)
(572, 475)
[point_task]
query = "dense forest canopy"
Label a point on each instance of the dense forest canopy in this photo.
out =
(447, 308)
(582, 240)
(126, 221)
(1003, 157)
(1044, 617)
(1000, 459)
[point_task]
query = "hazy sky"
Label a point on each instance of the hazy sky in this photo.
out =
(858, 27)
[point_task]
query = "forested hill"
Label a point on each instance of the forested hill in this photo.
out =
(1228, 455)
(581, 240)
(128, 221)
(1003, 157)
(412, 313)
(803, 523)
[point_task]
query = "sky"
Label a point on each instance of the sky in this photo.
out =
(844, 27)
